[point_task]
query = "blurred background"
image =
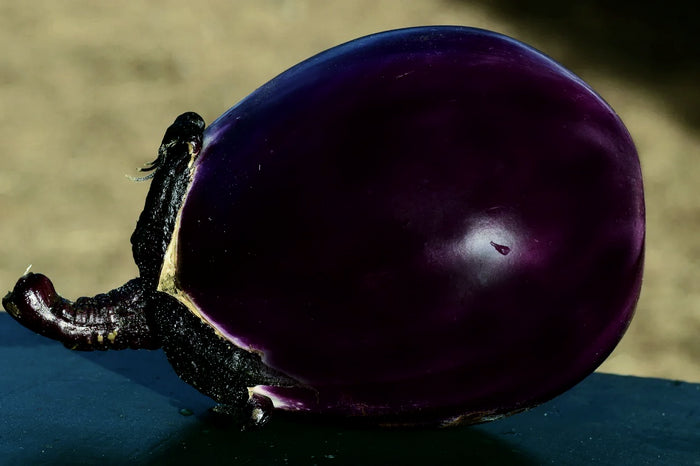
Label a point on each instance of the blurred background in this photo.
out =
(88, 88)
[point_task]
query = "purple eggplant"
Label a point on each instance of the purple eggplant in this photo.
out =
(433, 225)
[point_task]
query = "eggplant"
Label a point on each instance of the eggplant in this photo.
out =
(433, 225)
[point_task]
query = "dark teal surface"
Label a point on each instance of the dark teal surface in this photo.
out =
(65, 407)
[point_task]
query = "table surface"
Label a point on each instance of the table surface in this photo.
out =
(60, 406)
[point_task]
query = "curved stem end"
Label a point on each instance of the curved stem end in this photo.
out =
(115, 320)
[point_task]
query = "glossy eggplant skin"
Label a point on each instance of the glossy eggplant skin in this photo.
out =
(437, 219)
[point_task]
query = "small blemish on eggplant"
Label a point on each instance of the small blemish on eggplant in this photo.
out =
(500, 248)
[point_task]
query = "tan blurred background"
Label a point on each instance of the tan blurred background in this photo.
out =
(87, 89)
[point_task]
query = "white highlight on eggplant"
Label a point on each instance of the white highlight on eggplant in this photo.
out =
(489, 247)
(483, 240)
